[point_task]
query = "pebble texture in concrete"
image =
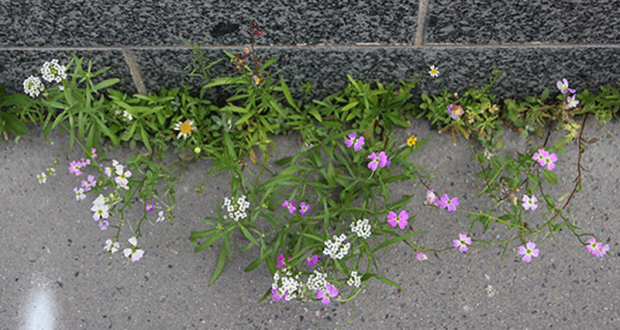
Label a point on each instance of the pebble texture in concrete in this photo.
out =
(50, 238)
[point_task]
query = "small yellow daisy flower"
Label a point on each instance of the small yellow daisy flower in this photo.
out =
(185, 128)
(434, 72)
(411, 141)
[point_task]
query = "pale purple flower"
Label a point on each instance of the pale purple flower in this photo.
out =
(303, 208)
(150, 207)
(450, 204)
(122, 178)
(85, 161)
(431, 198)
(290, 206)
(357, 143)
(572, 102)
(528, 251)
(89, 183)
(100, 211)
(160, 216)
(400, 220)
(421, 256)
(530, 203)
(377, 160)
(325, 295)
(94, 155)
(280, 261)
(111, 246)
(104, 224)
(79, 194)
(562, 85)
(603, 251)
(462, 242)
(455, 111)
(133, 253)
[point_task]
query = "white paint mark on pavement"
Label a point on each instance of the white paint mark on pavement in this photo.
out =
(40, 310)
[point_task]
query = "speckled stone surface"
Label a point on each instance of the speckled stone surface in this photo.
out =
(527, 71)
(116, 23)
(16, 66)
(493, 22)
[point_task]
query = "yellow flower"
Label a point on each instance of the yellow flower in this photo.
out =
(185, 128)
(411, 141)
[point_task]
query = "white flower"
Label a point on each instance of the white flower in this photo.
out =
(133, 253)
(317, 281)
(33, 86)
(354, 280)
(122, 178)
(185, 128)
(42, 177)
(52, 71)
(111, 246)
(79, 194)
(362, 228)
(127, 116)
(160, 216)
(434, 72)
(99, 211)
(100, 200)
(335, 249)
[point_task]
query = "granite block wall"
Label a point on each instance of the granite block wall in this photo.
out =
(534, 42)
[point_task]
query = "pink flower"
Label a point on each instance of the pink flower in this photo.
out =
(421, 256)
(312, 260)
(528, 251)
(327, 294)
(276, 297)
(455, 111)
(75, 167)
(448, 203)
(596, 248)
(462, 242)
(400, 220)
(530, 203)
(550, 160)
(89, 183)
(377, 160)
(540, 156)
(290, 206)
(431, 198)
(280, 261)
(303, 208)
(354, 141)
(94, 155)
(562, 85)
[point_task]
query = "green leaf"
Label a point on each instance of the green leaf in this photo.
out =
(106, 83)
(145, 138)
(550, 177)
(396, 239)
(206, 243)
(383, 279)
(287, 94)
(220, 266)
(13, 124)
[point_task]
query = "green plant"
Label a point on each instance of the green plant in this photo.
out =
(11, 107)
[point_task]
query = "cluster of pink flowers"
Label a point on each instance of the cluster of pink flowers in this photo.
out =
(596, 248)
(290, 206)
(543, 158)
(445, 202)
(377, 160)
(562, 85)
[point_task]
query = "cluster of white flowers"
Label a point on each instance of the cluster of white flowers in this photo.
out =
(236, 209)
(317, 281)
(335, 249)
(33, 86)
(127, 116)
(43, 176)
(286, 284)
(52, 71)
(354, 280)
(362, 228)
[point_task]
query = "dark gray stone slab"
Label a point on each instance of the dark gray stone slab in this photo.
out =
(17, 65)
(115, 23)
(488, 21)
(527, 71)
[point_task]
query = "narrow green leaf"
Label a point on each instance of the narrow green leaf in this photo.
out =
(396, 239)
(221, 262)
(106, 83)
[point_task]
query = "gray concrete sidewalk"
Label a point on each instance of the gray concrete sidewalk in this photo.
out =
(50, 244)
